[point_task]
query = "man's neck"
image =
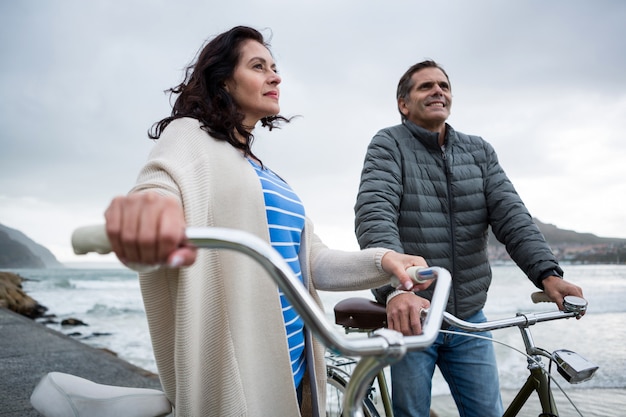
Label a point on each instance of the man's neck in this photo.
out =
(439, 129)
(442, 135)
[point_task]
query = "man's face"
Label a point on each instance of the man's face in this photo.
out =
(429, 101)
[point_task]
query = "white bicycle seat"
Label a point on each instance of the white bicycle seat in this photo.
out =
(65, 395)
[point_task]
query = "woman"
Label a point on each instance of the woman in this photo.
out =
(217, 324)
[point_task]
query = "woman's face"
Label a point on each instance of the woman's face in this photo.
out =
(254, 85)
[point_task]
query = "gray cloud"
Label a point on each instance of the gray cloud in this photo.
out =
(544, 82)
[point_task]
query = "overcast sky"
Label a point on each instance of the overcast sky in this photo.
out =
(543, 81)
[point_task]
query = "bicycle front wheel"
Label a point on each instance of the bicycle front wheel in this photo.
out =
(336, 382)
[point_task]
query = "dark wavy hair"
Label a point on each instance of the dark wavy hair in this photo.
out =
(202, 95)
(406, 81)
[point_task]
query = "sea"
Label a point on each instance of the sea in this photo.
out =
(108, 300)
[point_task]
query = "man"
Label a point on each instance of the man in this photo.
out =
(431, 191)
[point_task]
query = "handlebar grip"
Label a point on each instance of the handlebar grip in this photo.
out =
(91, 239)
(418, 274)
(571, 303)
(540, 297)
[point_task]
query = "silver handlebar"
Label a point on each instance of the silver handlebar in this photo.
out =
(573, 307)
(298, 296)
(386, 347)
(383, 348)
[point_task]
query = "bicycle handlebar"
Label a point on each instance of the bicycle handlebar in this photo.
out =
(574, 306)
(386, 347)
(94, 239)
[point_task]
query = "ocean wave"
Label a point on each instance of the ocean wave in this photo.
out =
(104, 284)
(112, 311)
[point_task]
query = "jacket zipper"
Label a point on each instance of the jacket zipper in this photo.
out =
(452, 234)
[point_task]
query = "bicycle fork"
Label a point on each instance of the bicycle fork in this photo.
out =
(538, 381)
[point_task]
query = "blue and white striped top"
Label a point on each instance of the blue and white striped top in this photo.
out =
(285, 220)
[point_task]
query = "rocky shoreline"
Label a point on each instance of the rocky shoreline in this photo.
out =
(13, 297)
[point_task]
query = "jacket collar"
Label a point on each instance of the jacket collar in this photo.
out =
(426, 137)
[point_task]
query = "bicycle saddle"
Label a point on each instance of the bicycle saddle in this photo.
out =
(64, 395)
(360, 313)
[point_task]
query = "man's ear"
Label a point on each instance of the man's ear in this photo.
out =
(402, 107)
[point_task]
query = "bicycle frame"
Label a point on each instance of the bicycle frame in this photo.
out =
(363, 315)
(539, 379)
(384, 348)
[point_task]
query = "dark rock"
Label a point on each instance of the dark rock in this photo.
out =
(73, 322)
(13, 297)
(96, 334)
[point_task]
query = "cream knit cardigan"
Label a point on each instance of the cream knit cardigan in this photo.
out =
(216, 327)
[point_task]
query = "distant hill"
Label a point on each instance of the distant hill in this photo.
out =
(556, 236)
(571, 246)
(19, 251)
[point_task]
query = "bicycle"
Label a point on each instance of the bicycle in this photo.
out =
(61, 394)
(358, 315)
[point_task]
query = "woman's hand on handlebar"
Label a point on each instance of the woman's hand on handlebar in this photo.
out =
(149, 229)
(395, 263)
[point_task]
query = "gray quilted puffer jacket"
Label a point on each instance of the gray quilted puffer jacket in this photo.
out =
(416, 198)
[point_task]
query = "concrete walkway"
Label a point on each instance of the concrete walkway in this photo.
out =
(29, 350)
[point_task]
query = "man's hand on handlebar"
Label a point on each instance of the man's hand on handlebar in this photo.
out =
(149, 229)
(404, 313)
(557, 288)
